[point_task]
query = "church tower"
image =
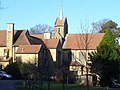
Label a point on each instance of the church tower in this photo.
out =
(61, 26)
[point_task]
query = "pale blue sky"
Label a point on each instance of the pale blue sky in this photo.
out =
(27, 13)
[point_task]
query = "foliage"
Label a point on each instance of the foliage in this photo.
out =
(14, 70)
(21, 70)
(28, 71)
(105, 62)
(105, 24)
(109, 25)
(41, 28)
(97, 25)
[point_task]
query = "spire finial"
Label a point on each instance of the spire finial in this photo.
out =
(61, 12)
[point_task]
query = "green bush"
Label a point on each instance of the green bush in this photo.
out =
(14, 70)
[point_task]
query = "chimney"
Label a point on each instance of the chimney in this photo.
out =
(9, 38)
(10, 26)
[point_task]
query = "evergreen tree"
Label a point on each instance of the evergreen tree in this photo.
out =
(105, 62)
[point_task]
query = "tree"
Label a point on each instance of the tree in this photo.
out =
(41, 28)
(14, 70)
(105, 62)
(21, 70)
(1, 6)
(103, 25)
(29, 70)
(109, 25)
(97, 25)
(83, 42)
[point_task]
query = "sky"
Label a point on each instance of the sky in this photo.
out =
(28, 13)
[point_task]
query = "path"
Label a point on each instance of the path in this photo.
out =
(8, 84)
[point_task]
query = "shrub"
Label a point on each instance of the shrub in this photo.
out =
(14, 70)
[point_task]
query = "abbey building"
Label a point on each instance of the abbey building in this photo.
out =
(21, 46)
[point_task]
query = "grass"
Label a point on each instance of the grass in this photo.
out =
(20, 86)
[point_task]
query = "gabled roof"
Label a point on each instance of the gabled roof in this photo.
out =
(51, 43)
(28, 49)
(2, 37)
(83, 41)
(19, 35)
(21, 38)
(34, 40)
(60, 22)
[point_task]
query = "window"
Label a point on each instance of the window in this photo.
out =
(58, 30)
(82, 55)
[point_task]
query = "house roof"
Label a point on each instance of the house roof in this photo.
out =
(59, 22)
(40, 36)
(82, 41)
(51, 43)
(28, 49)
(21, 37)
(2, 38)
(75, 63)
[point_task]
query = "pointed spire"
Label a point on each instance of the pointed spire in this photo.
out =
(61, 12)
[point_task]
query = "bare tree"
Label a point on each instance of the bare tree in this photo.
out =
(84, 42)
(1, 6)
(97, 25)
(41, 28)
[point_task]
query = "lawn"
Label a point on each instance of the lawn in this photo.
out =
(20, 86)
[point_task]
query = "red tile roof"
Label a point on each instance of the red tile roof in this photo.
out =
(34, 40)
(40, 36)
(2, 37)
(28, 49)
(22, 39)
(19, 37)
(59, 22)
(51, 43)
(83, 41)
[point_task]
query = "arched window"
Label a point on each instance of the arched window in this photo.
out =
(58, 30)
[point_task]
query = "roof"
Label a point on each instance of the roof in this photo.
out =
(59, 22)
(19, 37)
(2, 38)
(40, 36)
(51, 43)
(83, 41)
(75, 63)
(28, 49)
